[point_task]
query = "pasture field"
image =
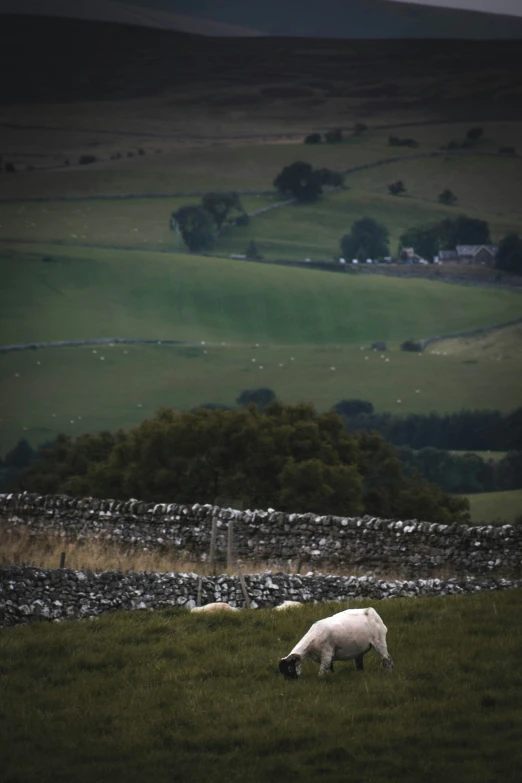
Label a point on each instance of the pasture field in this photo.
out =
(465, 175)
(496, 507)
(315, 230)
(170, 696)
(506, 343)
(329, 321)
(91, 292)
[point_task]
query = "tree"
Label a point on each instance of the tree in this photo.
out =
(360, 128)
(509, 256)
(427, 240)
(286, 456)
(313, 138)
(474, 134)
(221, 205)
(21, 456)
(462, 230)
(352, 407)
(334, 136)
(196, 226)
(326, 176)
(396, 188)
(252, 252)
(447, 197)
(300, 181)
(423, 239)
(259, 397)
(367, 239)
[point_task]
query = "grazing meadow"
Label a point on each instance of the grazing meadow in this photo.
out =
(170, 696)
(306, 334)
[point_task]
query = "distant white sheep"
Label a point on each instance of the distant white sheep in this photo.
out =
(218, 606)
(287, 605)
(346, 636)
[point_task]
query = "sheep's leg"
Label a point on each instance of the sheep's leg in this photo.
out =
(386, 661)
(359, 663)
(326, 666)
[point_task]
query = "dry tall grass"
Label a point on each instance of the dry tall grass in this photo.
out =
(22, 546)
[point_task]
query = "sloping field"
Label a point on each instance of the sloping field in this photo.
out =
(497, 344)
(315, 230)
(304, 333)
(171, 696)
(84, 293)
(481, 184)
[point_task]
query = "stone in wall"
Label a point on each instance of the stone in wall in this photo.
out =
(34, 594)
(409, 547)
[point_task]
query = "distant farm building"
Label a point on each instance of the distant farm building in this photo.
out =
(479, 255)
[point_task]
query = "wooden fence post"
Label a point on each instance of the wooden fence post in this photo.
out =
(243, 585)
(230, 544)
(200, 584)
(213, 537)
(62, 560)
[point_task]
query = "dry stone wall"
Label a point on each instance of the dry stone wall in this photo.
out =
(410, 548)
(32, 594)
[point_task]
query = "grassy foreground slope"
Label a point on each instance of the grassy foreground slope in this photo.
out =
(169, 696)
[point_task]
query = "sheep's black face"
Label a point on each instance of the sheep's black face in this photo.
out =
(288, 668)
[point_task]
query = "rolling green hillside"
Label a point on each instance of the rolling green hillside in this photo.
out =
(86, 293)
(314, 330)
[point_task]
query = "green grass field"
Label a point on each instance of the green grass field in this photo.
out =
(329, 320)
(315, 230)
(496, 507)
(169, 696)
(321, 320)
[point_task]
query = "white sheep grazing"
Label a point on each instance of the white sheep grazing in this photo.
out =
(287, 605)
(219, 606)
(345, 636)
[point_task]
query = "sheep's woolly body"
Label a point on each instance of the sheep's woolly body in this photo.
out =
(219, 606)
(346, 636)
(288, 605)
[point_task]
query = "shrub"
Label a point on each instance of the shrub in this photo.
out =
(447, 197)
(411, 345)
(84, 160)
(334, 136)
(396, 188)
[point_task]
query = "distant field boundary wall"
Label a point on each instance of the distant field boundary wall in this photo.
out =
(94, 341)
(134, 340)
(33, 594)
(411, 548)
(470, 333)
(253, 192)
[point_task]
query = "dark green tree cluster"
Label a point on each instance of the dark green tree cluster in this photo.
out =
(447, 197)
(367, 239)
(446, 235)
(288, 457)
(464, 473)
(396, 188)
(305, 183)
(509, 256)
(334, 136)
(396, 141)
(17, 459)
(198, 224)
(477, 430)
